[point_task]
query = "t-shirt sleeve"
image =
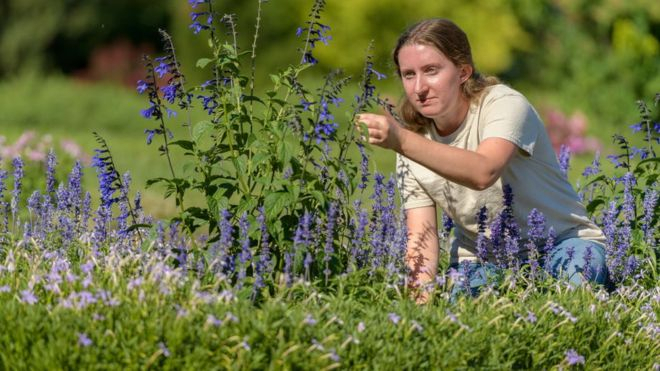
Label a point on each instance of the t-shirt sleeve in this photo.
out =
(412, 193)
(511, 117)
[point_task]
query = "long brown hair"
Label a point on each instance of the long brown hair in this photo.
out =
(449, 39)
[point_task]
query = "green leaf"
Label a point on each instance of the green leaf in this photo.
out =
(185, 144)
(153, 181)
(284, 152)
(246, 204)
(593, 205)
(203, 62)
(136, 226)
(275, 202)
(201, 129)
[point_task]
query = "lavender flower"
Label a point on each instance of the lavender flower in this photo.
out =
(245, 256)
(328, 248)
(84, 340)
(51, 162)
(313, 33)
(594, 169)
(564, 159)
(649, 206)
(107, 176)
(482, 240)
(262, 267)
(394, 318)
(357, 236)
(573, 358)
(17, 163)
(163, 348)
(28, 297)
(75, 187)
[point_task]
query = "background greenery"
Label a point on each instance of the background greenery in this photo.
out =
(69, 68)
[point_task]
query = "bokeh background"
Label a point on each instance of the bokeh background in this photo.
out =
(68, 68)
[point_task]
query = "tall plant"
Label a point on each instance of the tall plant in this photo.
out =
(281, 150)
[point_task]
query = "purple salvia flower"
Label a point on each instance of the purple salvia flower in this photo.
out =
(547, 249)
(630, 267)
(588, 256)
(100, 232)
(3, 187)
(358, 234)
(84, 340)
(162, 69)
(107, 176)
(226, 241)
(309, 320)
(573, 358)
(394, 318)
(51, 162)
(629, 182)
(75, 188)
(301, 242)
(66, 228)
(531, 317)
(328, 249)
(447, 225)
(163, 348)
(535, 239)
(169, 93)
(364, 167)
(86, 212)
(34, 203)
(482, 240)
(142, 86)
(376, 226)
(28, 297)
(307, 263)
(649, 206)
(17, 163)
(122, 220)
(245, 256)
(262, 267)
(151, 111)
(62, 196)
(564, 159)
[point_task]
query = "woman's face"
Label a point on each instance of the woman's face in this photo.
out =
(431, 81)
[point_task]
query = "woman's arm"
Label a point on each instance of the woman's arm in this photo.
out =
(474, 169)
(422, 247)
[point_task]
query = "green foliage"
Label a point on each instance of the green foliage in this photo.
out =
(591, 53)
(60, 35)
(493, 30)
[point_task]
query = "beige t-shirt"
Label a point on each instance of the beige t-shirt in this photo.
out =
(533, 174)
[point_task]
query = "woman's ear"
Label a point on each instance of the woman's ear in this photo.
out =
(466, 72)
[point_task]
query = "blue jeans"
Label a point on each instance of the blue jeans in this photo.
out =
(574, 259)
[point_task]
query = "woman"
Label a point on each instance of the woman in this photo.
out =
(465, 138)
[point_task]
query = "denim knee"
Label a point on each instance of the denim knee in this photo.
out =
(578, 260)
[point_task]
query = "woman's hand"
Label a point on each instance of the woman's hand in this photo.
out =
(384, 131)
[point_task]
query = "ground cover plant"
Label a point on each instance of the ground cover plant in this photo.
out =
(292, 261)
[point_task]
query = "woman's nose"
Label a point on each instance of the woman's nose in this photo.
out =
(420, 85)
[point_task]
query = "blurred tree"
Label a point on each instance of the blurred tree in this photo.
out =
(60, 35)
(592, 54)
(493, 30)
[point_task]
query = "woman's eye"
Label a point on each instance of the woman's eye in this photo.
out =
(431, 70)
(408, 75)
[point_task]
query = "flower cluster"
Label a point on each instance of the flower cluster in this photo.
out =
(570, 132)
